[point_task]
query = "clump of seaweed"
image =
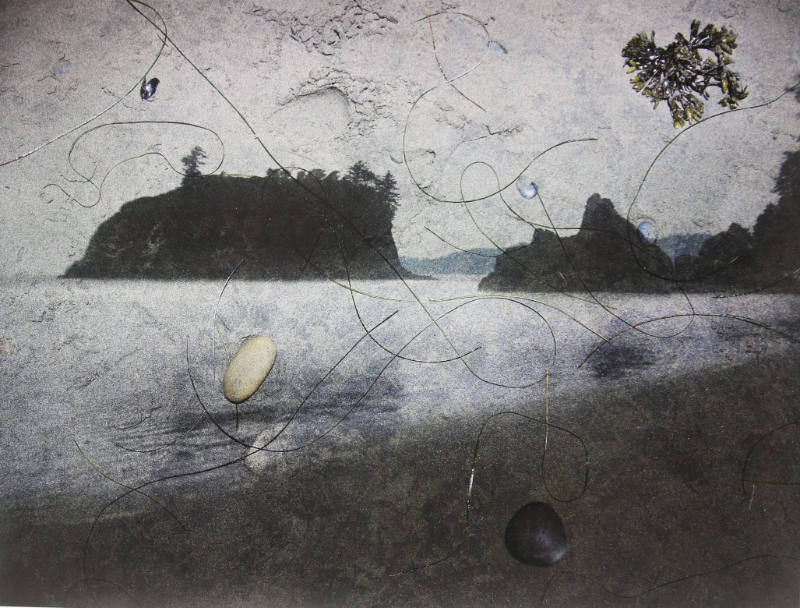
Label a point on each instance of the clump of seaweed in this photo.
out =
(679, 73)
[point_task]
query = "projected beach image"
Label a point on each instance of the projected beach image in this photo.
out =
(401, 303)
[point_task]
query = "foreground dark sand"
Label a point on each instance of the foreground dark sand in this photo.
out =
(664, 519)
(690, 501)
(692, 495)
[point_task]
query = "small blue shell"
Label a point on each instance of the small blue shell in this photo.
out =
(648, 234)
(526, 188)
(148, 88)
(497, 47)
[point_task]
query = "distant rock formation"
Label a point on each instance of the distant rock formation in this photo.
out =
(724, 260)
(605, 254)
(320, 225)
(776, 234)
(768, 257)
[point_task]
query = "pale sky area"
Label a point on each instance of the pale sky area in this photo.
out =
(326, 85)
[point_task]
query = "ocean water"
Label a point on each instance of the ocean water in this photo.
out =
(123, 464)
(128, 368)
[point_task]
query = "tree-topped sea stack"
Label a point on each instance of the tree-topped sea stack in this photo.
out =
(310, 225)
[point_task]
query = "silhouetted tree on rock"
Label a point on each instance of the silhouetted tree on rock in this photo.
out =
(311, 226)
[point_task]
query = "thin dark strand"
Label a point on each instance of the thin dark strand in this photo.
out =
(547, 424)
(297, 410)
(490, 194)
(589, 291)
(105, 475)
(352, 291)
(547, 586)
(752, 450)
(448, 80)
(379, 344)
(317, 196)
(385, 348)
(134, 87)
(505, 251)
(85, 580)
(442, 200)
(514, 386)
(496, 296)
(701, 315)
(219, 333)
(429, 564)
(294, 413)
(88, 179)
(461, 249)
(792, 274)
(132, 489)
(219, 301)
(664, 149)
(682, 579)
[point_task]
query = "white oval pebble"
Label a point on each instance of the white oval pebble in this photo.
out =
(248, 368)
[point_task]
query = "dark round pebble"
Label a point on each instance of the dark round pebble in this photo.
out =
(536, 536)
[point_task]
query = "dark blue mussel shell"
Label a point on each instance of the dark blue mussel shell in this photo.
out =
(148, 88)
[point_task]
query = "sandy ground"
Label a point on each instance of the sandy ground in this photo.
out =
(325, 84)
(691, 435)
(672, 457)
